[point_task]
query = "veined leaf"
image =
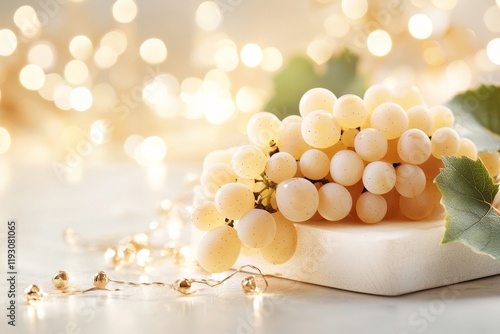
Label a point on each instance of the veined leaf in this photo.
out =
(468, 193)
(477, 116)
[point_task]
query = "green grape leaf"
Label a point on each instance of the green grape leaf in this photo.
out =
(477, 116)
(468, 193)
(340, 75)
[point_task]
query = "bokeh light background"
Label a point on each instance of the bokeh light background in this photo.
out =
(84, 82)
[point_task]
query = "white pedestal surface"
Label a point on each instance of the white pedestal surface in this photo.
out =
(389, 258)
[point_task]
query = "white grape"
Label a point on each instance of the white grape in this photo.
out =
(320, 129)
(414, 146)
(215, 176)
(314, 164)
(284, 244)
(335, 201)
(467, 148)
(291, 140)
(371, 208)
(316, 99)
(442, 117)
(206, 217)
(264, 128)
(370, 144)
(256, 229)
(491, 161)
(291, 119)
(348, 137)
(217, 156)
(346, 167)
(445, 142)
(390, 118)
(250, 183)
(248, 161)
(408, 97)
(422, 205)
(233, 200)
(350, 111)
(410, 180)
(281, 166)
(420, 117)
(219, 249)
(375, 95)
(297, 199)
(379, 177)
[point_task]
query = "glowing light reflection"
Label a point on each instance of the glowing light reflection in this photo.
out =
(5, 140)
(379, 43)
(153, 51)
(208, 16)
(124, 11)
(32, 77)
(354, 9)
(52, 81)
(80, 99)
(251, 55)
(42, 54)
(272, 59)
(153, 149)
(27, 21)
(8, 42)
(81, 47)
(320, 51)
(420, 26)
(493, 51)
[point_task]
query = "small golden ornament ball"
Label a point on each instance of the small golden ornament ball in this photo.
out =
(60, 280)
(101, 280)
(252, 285)
(33, 294)
(183, 286)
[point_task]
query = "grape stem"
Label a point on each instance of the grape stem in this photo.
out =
(323, 180)
(274, 148)
(264, 202)
(268, 206)
(229, 222)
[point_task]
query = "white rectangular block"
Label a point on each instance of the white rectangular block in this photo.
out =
(389, 258)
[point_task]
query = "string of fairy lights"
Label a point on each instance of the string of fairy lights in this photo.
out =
(98, 79)
(141, 251)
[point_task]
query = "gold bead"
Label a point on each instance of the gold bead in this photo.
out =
(183, 286)
(101, 280)
(252, 285)
(33, 294)
(60, 280)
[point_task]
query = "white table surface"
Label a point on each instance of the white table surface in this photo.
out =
(117, 199)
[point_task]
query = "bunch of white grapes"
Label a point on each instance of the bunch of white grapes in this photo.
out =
(342, 159)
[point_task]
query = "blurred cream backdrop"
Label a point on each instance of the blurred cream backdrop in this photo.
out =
(90, 81)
